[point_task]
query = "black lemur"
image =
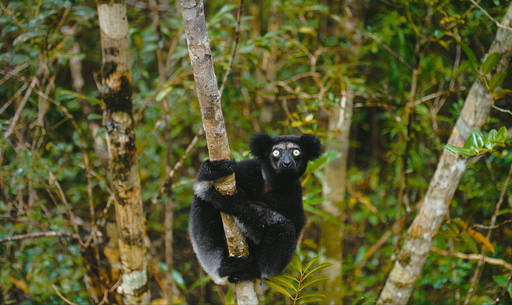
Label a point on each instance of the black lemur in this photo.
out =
(267, 205)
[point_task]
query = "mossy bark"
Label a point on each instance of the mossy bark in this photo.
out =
(213, 124)
(115, 89)
(450, 168)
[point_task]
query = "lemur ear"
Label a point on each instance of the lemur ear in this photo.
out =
(311, 144)
(260, 144)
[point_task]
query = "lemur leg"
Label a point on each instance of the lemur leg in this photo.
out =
(276, 248)
(208, 239)
(274, 239)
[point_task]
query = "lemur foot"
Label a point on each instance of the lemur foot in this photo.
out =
(213, 170)
(238, 268)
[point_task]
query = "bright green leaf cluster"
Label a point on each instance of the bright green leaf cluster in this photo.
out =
(478, 144)
(294, 287)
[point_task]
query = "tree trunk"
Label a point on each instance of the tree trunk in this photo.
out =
(333, 184)
(333, 187)
(115, 88)
(413, 254)
(213, 123)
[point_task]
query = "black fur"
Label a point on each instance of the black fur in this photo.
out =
(267, 204)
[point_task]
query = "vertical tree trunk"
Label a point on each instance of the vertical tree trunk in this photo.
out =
(167, 200)
(333, 185)
(115, 88)
(413, 254)
(213, 123)
(100, 274)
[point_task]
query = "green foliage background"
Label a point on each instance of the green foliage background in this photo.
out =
(292, 64)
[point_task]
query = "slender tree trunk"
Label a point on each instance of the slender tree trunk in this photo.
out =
(414, 252)
(214, 127)
(98, 275)
(167, 197)
(115, 88)
(333, 185)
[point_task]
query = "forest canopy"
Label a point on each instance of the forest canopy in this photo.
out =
(102, 137)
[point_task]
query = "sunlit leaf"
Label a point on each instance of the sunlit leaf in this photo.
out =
(278, 288)
(501, 137)
(497, 80)
(490, 62)
(477, 236)
(459, 150)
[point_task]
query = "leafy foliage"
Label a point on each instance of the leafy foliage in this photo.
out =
(302, 275)
(478, 144)
(294, 59)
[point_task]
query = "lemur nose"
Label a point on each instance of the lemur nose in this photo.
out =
(287, 163)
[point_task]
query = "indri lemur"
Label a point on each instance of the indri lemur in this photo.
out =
(267, 205)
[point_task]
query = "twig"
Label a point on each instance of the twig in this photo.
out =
(387, 48)
(20, 108)
(105, 294)
(12, 73)
(38, 235)
(490, 17)
(503, 291)
(15, 96)
(234, 47)
(86, 164)
(479, 226)
(479, 267)
(382, 240)
(61, 296)
(168, 180)
(501, 109)
(431, 97)
(454, 273)
(474, 257)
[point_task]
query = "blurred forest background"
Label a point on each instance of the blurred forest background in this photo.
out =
(381, 82)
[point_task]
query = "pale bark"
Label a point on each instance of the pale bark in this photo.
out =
(414, 252)
(333, 184)
(213, 123)
(333, 187)
(115, 89)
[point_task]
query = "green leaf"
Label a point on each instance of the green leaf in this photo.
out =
(284, 282)
(321, 213)
(471, 56)
(312, 295)
(315, 280)
(497, 80)
(94, 116)
(163, 93)
(476, 139)
(459, 150)
(278, 288)
(489, 63)
(501, 137)
(322, 161)
(316, 269)
(311, 263)
(501, 280)
(201, 281)
(490, 140)
(469, 242)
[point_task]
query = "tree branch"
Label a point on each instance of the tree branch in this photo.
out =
(38, 235)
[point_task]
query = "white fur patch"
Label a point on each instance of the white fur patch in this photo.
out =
(209, 260)
(201, 187)
(276, 218)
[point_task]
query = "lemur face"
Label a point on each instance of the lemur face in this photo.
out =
(286, 157)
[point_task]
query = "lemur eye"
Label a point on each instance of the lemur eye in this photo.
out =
(275, 153)
(296, 152)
